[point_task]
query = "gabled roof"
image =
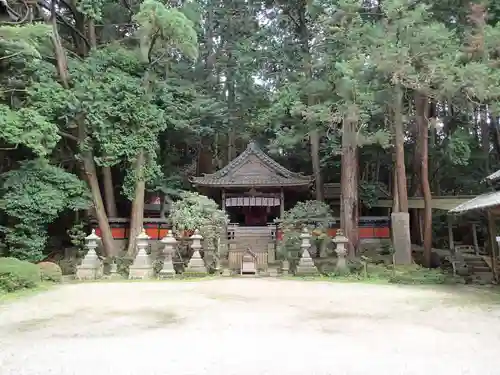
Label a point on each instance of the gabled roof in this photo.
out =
(252, 168)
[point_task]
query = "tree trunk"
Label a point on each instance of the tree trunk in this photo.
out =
(314, 139)
(102, 220)
(314, 136)
(230, 35)
(399, 148)
(137, 215)
(349, 186)
(88, 159)
(422, 112)
(109, 192)
(485, 137)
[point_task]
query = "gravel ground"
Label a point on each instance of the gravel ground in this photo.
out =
(248, 326)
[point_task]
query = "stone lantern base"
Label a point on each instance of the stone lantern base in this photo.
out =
(167, 272)
(196, 266)
(87, 272)
(306, 266)
(141, 268)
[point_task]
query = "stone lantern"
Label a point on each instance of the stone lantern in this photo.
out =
(306, 265)
(196, 265)
(168, 266)
(341, 241)
(91, 264)
(142, 267)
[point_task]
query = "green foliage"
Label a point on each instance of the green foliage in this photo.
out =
(16, 274)
(415, 274)
(77, 236)
(411, 274)
(312, 213)
(91, 8)
(194, 211)
(50, 272)
(458, 150)
(24, 40)
(305, 213)
(165, 28)
(28, 128)
(34, 195)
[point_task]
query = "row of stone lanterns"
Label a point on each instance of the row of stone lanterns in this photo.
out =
(306, 266)
(142, 267)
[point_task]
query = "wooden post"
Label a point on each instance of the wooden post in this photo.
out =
(223, 199)
(493, 244)
(282, 203)
(450, 233)
(474, 238)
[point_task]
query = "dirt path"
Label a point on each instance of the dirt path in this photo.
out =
(247, 326)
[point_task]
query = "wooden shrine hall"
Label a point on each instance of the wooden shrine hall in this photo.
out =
(253, 188)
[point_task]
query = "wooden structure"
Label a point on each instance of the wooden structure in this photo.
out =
(252, 190)
(489, 203)
(253, 186)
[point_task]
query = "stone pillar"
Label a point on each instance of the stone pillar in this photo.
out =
(340, 242)
(142, 267)
(91, 264)
(306, 265)
(400, 222)
(168, 272)
(196, 265)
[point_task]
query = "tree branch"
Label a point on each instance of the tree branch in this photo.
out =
(68, 136)
(66, 22)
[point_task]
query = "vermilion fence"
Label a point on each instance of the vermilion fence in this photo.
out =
(369, 227)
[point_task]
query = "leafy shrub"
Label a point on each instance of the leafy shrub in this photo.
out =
(50, 272)
(308, 213)
(16, 274)
(196, 211)
(33, 196)
(123, 264)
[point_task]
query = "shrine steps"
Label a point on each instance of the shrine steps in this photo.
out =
(479, 269)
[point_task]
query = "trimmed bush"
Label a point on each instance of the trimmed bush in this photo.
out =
(17, 274)
(50, 272)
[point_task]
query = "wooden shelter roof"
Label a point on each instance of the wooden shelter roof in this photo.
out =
(252, 168)
(487, 200)
(494, 176)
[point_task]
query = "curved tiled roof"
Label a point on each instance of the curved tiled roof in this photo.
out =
(252, 168)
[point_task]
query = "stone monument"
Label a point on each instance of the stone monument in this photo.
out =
(90, 267)
(142, 267)
(340, 249)
(400, 222)
(196, 265)
(306, 265)
(168, 272)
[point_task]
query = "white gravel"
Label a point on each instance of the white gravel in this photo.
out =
(247, 326)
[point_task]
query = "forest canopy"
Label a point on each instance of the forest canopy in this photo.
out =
(103, 102)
